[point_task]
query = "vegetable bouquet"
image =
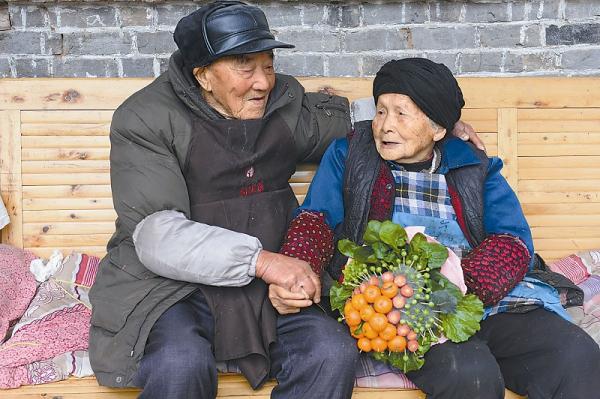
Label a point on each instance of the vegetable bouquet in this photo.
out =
(395, 299)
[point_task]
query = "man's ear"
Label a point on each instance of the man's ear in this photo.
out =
(200, 74)
(439, 133)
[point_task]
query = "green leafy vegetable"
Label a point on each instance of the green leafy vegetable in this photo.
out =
(460, 325)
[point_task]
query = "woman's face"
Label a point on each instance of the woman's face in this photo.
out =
(402, 132)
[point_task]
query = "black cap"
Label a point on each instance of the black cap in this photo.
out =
(430, 85)
(223, 28)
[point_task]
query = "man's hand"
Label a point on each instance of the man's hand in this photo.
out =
(286, 302)
(293, 274)
(465, 132)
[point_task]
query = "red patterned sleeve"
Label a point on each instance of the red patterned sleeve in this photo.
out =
(309, 238)
(493, 268)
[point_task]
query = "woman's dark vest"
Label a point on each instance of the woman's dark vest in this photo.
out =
(363, 166)
(237, 176)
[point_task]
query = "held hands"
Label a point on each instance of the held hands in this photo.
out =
(286, 302)
(291, 274)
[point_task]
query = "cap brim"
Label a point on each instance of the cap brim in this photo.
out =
(257, 46)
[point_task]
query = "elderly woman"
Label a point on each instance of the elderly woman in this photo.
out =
(403, 166)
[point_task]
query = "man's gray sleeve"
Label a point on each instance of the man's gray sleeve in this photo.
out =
(175, 247)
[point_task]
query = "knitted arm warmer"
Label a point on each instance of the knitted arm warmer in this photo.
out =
(309, 238)
(493, 268)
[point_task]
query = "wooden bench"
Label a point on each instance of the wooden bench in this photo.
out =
(55, 180)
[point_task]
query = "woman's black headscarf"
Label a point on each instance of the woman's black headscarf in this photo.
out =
(431, 86)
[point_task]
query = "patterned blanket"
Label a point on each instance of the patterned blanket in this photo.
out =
(49, 343)
(50, 340)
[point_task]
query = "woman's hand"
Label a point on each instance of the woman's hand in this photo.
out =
(465, 132)
(286, 302)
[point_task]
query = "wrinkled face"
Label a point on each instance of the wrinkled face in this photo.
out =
(402, 132)
(238, 87)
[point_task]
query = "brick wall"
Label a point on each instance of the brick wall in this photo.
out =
(478, 37)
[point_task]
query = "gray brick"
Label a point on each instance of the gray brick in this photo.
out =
(280, 16)
(170, 14)
(134, 15)
(378, 39)
(442, 38)
(82, 68)
(27, 16)
(33, 68)
(525, 11)
(350, 16)
(313, 14)
(300, 65)
(551, 9)
(4, 68)
(532, 36)
(415, 13)
(334, 15)
(5, 17)
(344, 65)
(575, 9)
(448, 59)
(581, 59)
(573, 34)
(155, 42)
(375, 14)
(137, 67)
(445, 11)
(372, 64)
(507, 36)
(86, 43)
(20, 42)
(53, 44)
(487, 13)
(518, 62)
(480, 62)
(312, 40)
(87, 16)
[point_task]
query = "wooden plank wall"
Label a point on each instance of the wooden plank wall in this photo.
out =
(55, 170)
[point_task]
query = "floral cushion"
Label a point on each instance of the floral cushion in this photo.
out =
(50, 341)
(17, 285)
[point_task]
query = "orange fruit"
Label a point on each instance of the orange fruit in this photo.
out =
(397, 344)
(359, 301)
(348, 306)
(371, 293)
(353, 318)
(378, 322)
(378, 344)
(368, 331)
(367, 312)
(388, 332)
(364, 344)
(389, 289)
(382, 304)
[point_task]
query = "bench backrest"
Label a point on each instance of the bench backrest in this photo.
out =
(55, 170)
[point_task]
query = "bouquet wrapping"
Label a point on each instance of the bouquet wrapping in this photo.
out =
(400, 295)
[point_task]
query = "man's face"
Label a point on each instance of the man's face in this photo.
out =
(238, 87)
(402, 132)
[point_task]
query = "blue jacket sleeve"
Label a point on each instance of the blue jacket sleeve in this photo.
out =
(503, 213)
(325, 193)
